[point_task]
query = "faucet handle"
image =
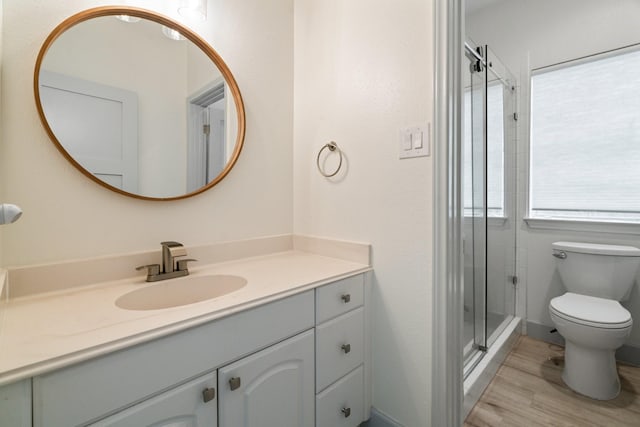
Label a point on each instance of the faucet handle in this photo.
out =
(182, 263)
(152, 270)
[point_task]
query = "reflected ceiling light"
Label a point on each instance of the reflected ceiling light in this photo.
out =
(194, 9)
(127, 18)
(172, 34)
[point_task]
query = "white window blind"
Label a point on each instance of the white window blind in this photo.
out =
(585, 140)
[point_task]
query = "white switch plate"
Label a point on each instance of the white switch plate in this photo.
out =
(415, 141)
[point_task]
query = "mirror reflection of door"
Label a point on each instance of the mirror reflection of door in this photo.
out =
(103, 135)
(206, 154)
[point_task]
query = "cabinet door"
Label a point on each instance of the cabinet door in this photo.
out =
(274, 387)
(183, 406)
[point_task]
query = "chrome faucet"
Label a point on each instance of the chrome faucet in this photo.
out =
(171, 267)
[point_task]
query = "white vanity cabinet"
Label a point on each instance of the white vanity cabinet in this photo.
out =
(298, 361)
(93, 390)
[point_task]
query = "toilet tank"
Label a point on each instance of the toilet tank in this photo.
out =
(605, 271)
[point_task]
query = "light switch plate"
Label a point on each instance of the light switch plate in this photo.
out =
(415, 141)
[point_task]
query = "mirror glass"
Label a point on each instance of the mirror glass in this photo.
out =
(139, 104)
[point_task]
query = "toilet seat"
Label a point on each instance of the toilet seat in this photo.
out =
(591, 311)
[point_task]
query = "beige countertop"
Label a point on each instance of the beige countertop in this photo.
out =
(46, 331)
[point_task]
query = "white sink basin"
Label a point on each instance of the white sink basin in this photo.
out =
(182, 291)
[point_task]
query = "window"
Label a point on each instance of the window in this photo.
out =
(585, 139)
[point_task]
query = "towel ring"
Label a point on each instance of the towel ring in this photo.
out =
(332, 146)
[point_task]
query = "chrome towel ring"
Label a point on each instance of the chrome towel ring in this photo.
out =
(332, 146)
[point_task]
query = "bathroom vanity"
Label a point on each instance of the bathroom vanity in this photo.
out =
(291, 348)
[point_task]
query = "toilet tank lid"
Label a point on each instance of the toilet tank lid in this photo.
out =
(596, 248)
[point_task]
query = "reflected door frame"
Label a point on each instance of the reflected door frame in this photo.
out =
(206, 135)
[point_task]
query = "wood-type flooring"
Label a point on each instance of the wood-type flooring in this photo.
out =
(528, 391)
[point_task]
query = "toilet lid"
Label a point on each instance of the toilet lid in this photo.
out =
(590, 310)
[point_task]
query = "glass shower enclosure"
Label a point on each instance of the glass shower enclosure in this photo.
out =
(489, 233)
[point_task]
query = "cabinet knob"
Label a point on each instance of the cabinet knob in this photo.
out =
(346, 348)
(346, 298)
(346, 412)
(208, 394)
(234, 383)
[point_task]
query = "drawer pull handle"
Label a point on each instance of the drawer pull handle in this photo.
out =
(234, 383)
(346, 348)
(346, 412)
(208, 394)
(346, 298)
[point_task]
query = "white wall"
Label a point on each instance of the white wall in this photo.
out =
(68, 216)
(527, 34)
(363, 70)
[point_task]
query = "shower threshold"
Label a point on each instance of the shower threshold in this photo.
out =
(485, 368)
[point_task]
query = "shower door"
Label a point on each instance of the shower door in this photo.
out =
(489, 200)
(501, 200)
(474, 205)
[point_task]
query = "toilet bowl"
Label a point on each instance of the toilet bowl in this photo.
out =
(593, 329)
(589, 316)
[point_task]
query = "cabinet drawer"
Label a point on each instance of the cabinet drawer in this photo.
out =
(339, 347)
(342, 404)
(336, 298)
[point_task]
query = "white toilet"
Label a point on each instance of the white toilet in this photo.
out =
(589, 316)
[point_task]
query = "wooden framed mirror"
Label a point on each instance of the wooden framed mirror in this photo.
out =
(139, 103)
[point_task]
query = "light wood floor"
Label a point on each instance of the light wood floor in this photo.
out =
(528, 391)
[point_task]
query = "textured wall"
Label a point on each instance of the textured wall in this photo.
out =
(363, 70)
